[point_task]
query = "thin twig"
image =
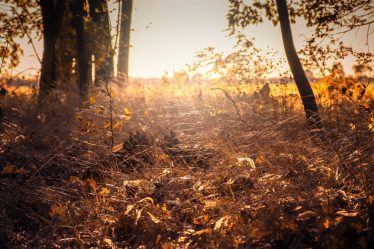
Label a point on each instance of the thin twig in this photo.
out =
(30, 40)
(232, 101)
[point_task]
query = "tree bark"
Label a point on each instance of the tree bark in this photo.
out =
(52, 12)
(101, 44)
(305, 90)
(82, 48)
(124, 42)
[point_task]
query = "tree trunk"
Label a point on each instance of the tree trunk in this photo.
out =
(305, 90)
(52, 12)
(82, 53)
(101, 44)
(124, 42)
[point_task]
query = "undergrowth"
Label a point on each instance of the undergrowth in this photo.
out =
(185, 171)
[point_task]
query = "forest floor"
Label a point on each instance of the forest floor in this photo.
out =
(179, 166)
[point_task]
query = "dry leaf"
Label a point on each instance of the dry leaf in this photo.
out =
(245, 161)
(104, 191)
(92, 100)
(117, 125)
(147, 199)
(221, 223)
(106, 124)
(8, 169)
(92, 183)
(128, 209)
(138, 215)
(127, 114)
(346, 214)
(108, 242)
(326, 223)
(164, 208)
(307, 215)
(153, 218)
(117, 148)
(57, 210)
(260, 159)
(200, 232)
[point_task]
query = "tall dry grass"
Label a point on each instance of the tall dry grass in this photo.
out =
(185, 170)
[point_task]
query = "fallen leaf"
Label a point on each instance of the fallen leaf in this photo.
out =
(153, 218)
(200, 232)
(108, 242)
(128, 209)
(346, 214)
(117, 148)
(127, 114)
(326, 224)
(104, 191)
(138, 215)
(57, 210)
(91, 182)
(8, 169)
(260, 159)
(307, 215)
(245, 161)
(117, 125)
(92, 100)
(221, 223)
(106, 124)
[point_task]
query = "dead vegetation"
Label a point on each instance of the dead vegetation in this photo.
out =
(185, 172)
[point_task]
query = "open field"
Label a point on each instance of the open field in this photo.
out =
(185, 171)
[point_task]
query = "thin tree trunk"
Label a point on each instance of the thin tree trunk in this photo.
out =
(305, 90)
(52, 12)
(82, 53)
(124, 41)
(101, 46)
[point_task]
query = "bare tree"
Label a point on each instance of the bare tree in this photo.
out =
(100, 40)
(303, 85)
(242, 15)
(124, 39)
(52, 13)
(82, 49)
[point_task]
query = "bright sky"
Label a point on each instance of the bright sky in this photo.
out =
(167, 34)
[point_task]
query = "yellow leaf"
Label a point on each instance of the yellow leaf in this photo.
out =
(104, 191)
(108, 242)
(106, 124)
(97, 110)
(57, 210)
(112, 93)
(8, 169)
(127, 114)
(164, 208)
(117, 126)
(92, 100)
